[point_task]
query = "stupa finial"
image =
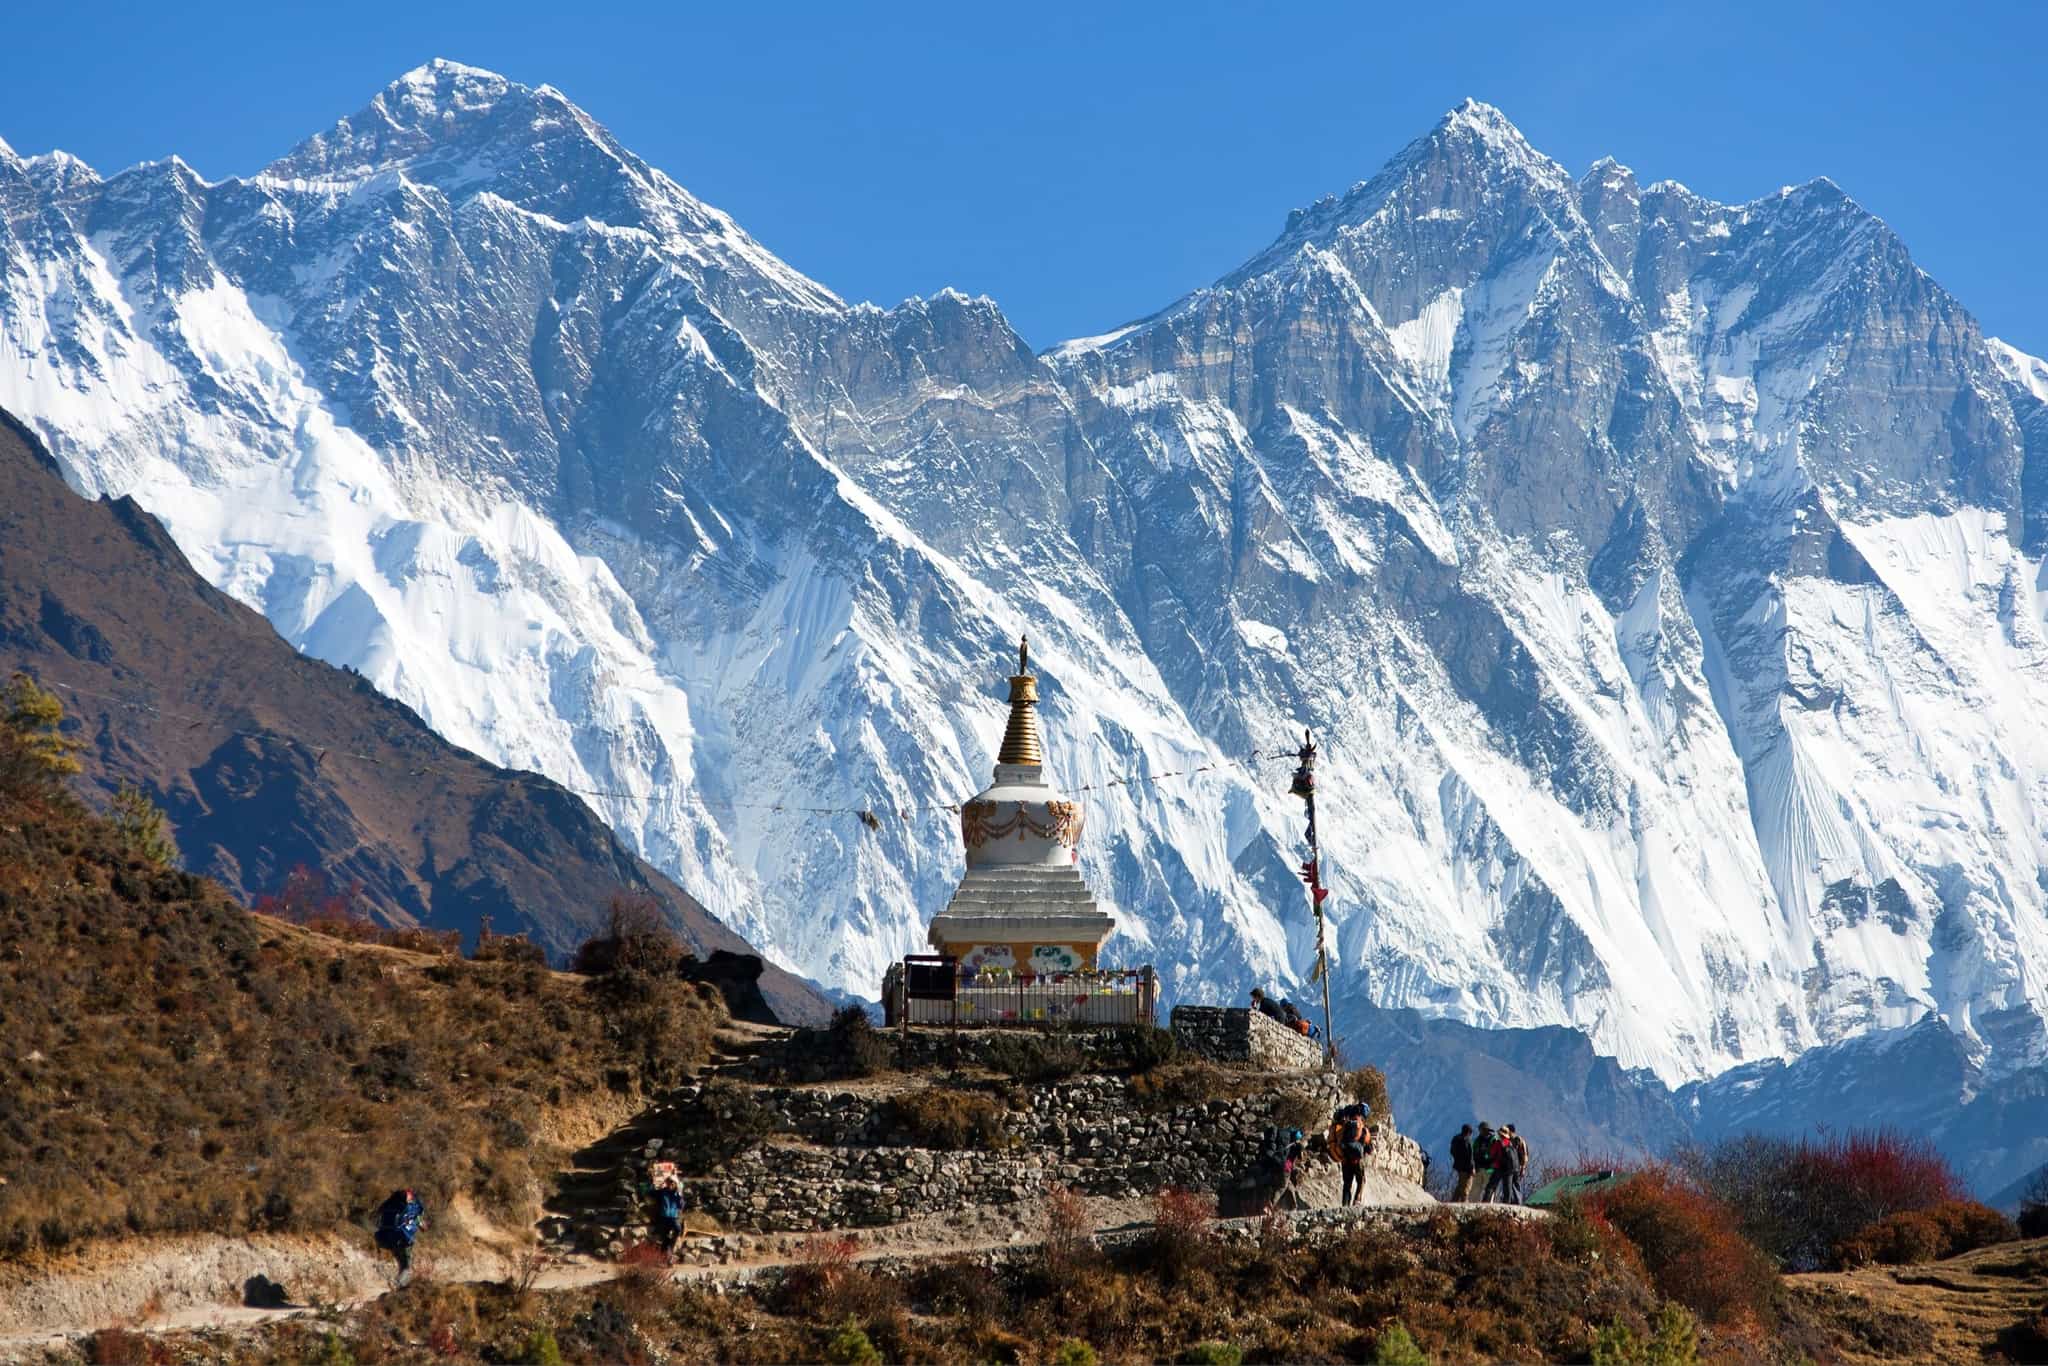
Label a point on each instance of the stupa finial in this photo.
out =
(1020, 738)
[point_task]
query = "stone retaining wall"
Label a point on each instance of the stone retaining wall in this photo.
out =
(1091, 1133)
(1236, 1034)
(926, 1048)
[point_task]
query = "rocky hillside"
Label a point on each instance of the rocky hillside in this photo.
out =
(1659, 571)
(266, 759)
(177, 1065)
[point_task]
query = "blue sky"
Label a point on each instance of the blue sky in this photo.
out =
(1086, 164)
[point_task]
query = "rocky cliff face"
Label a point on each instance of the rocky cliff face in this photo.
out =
(1660, 574)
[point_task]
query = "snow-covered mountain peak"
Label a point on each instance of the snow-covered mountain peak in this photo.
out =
(466, 134)
(59, 170)
(446, 121)
(1489, 125)
(1473, 149)
(1650, 563)
(2029, 372)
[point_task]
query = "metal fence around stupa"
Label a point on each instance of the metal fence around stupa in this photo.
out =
(930, 990)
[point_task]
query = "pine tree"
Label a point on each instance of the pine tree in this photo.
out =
(34, 720)
(140, 824)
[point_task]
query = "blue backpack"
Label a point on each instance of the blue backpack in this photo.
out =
(399, 1219)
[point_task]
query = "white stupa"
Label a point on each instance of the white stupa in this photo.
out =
(1022, 904)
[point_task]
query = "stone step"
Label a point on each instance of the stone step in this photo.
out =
(1022, 872)
(1001, 903)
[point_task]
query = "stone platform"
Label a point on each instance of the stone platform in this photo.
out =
(1237, 1034)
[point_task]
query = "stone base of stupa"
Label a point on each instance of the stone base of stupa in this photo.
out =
(1035, 917)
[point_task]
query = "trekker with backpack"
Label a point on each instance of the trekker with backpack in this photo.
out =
(398, 1224)
(1278, 1153)
(1350, 1141)
(1482, 1159)
(1461, 1165)
(1500, 1158)
(668, 1215)
(1521, 1164)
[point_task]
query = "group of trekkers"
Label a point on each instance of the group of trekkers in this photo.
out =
(1500, 1155)
(1348, 1141)
(1284, 1013)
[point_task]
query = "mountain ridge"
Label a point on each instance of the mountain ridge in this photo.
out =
(265, 759)
(1549, 500)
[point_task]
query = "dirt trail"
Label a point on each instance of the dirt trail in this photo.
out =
(181, 1284)
(1954, 1310)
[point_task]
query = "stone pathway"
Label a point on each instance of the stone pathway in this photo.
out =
(746, 1257)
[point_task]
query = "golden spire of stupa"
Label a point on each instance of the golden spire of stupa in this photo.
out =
(1020, 737)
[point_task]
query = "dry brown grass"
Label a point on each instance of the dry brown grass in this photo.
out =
(1485, 1291)
(945, 1117)
(1980, 1306)
(175, 1064)
(1177, 1085)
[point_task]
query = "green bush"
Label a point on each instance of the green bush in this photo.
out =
(540, 1349)
(1395, 1347)
(139, 826)
(1074, 1352)
(850, 1347)
(1674, 1341)
(1213, 1354)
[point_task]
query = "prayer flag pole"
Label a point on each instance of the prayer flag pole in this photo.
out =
(1304, 787)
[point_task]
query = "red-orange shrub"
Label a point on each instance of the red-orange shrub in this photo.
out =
(442, 1341)
(1691, 1248)
(642, 1254)
(1800, 1199)
(308, 898)
(1069, 1247)
(1946, 1230)
(419, 939)
(828, 1282)
(1183, 1222)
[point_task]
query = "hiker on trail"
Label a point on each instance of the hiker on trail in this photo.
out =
(398, 1225)
(1521, 1164)
(1461, 1165)
(1279, 1152)
(1501, 1182)
(668, 1214)
(1266, 1007)
(1482, 1158)
(1350, 1141)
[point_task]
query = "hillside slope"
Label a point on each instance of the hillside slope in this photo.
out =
(175, 1064)
(265, 759)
